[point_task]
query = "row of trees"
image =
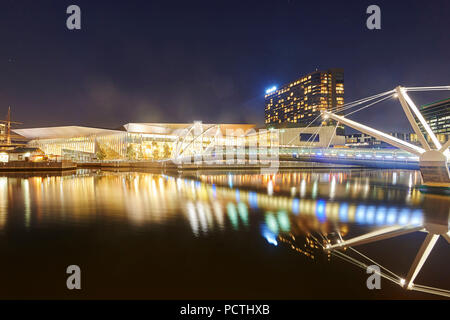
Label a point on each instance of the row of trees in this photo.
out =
(134, 153)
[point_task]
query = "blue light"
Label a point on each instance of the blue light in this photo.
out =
(391, 216)
(403, 217)
(253, 200)
(295, 205)
(270, 90)
(381, 215)
(214, 191)
(360, 214)
(269, 235)
(416, 217)
(370, 214)
(320, 210)
(343, 212)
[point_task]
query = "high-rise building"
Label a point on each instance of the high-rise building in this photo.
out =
(299, 103)
(437, 115)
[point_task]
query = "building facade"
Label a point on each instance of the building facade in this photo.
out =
(134, 141)
(299, 103)
(24, 154)
(362, 140)
(437, 115)
(321, 137)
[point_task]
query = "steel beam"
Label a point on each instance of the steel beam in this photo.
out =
(419, 116)
(411, 119)
(381, 234)
(420, 259)
(447, 236)
(445, 147)
(377, 134)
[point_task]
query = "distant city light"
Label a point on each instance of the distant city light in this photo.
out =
(270, 90)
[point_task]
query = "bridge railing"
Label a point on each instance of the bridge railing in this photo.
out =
(353, 154)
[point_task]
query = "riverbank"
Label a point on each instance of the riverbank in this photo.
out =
(37, 166)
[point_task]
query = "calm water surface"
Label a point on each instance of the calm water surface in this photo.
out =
(213, 234)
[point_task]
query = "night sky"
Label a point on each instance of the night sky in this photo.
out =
(179, 61)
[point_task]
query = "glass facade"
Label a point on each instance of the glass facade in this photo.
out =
(160, 141)
(86, 148)
(301, 101)
(437, 115)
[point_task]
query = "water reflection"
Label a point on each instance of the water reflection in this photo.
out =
(302, 210)
(153, 198)
(3, 201)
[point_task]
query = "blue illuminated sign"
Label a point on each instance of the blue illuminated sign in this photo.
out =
(270, 90)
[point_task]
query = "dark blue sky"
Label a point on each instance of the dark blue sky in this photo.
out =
(177, 61)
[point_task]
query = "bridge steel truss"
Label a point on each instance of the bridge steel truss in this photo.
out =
(432, 159)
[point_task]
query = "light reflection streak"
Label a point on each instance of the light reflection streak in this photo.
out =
(193, 220)
(27, 201)
(145, 199)
(81, 194)
(3, 201)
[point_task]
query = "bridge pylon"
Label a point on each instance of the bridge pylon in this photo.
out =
(433, 159)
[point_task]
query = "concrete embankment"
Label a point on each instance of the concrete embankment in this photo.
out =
(37, 166)
(169, 165)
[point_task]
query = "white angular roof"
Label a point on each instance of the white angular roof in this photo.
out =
(66, 132)
(61, 132)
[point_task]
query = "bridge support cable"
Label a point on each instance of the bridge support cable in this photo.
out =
(302, 129)
(363, 266)
(360, 101)
(314, 136)
(180, 146)
(349, 106)
(392, 277)
(369, 105)
(211, 145)
(332, 135)
(374, 262)
(433, 157)
(415, 268)
(367, 258)
(196, 137)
